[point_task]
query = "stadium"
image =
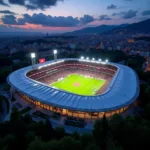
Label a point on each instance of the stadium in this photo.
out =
(79, 88)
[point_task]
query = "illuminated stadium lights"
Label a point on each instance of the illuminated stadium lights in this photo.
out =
(55, 54)
(55, 51)
(82, 57)
(33, 59)
(93, 60)
(32, 55)
(106, 60)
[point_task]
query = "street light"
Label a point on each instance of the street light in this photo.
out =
(87, 58)
(93, 59)
(106, 60)
(55, 54)
(33, 59)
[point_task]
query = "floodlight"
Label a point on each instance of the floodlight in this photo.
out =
(93, 59)
(32, 55)
(82, 57)
(87, 58)
(55, 51)
(99, 60)
(106, 60)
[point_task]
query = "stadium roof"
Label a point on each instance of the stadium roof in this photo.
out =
(122, 91)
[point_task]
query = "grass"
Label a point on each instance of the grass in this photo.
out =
(79, 84)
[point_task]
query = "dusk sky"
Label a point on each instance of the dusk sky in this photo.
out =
(56, 16)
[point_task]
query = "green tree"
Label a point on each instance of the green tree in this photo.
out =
(92, 146)
(1, 102)
(116, 125)
(59, 132)
(100, 132)
(76, 135)
(37, 144)
(86, 139)
(15, 115)
(53, 145)
(68, 143)
(147, 111)
(8, 142)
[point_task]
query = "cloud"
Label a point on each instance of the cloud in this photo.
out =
(47, 20)
(118, 14)
(145, 13)
(6, 12)
(112, 6)
(126, 15)
(86, 19)
(18, 2)
(33, 4)
(9, 19)
(104, 17)
(41, 4)
(12, 20)
(3, 3)
(21, 21)
(129, 14)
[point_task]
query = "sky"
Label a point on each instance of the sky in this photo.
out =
(57, 16)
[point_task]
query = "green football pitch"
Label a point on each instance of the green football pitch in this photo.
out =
(79, 84)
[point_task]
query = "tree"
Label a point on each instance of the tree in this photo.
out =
(86, 139)
(27, 119)
(59, 132)
(76, 135)
(147, 111)
(15, 115)
(37, 144)
(100, 132)
(112, 144)
(68, 143)
(116, 125)
(92, 146)
(53, 145)
(29, 137)
(7, 142)
(4, 72)
(1, 104)
(145, 97)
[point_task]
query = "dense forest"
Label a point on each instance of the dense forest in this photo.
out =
(116, 133)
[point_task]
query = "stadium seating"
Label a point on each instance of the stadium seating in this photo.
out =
(52, 73)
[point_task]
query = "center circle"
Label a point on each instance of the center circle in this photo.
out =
(76, 84)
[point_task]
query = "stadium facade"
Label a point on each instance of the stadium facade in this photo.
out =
(116, 96)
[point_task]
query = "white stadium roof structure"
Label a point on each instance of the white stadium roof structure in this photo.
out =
(122, 91)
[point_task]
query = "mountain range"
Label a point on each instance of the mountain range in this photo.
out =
(143, 26)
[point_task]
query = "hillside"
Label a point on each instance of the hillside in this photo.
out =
(93, 30)
(143, 26)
